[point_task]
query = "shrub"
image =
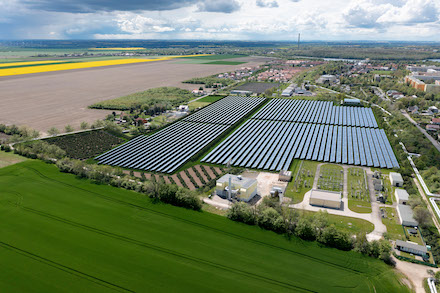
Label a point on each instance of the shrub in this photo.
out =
(5, 147)
(242, 212)
(270, 219)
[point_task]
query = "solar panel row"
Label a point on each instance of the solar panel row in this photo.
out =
(272, 145)
(228, 110)
(319, 112)
(168, 149)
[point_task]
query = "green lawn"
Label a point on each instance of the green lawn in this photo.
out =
(348, 224)
(394, 228)
(10, 158)
(304, 173)
(211, 99)
(63, 234)
(197, 104)
(358, 193)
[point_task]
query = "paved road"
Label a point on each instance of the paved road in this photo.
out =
(434, 142)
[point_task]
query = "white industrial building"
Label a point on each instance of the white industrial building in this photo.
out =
(396, 179)
(325, 198)
(236, 187)
(402, 196)
(406, 216)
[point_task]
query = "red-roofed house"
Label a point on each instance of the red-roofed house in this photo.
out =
(435, 121)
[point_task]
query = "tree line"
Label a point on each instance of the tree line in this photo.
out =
(270, 215)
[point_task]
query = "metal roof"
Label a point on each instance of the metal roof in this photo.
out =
(396, 176)
(410, 245)
(235, 180)
(406, 214)
(402, 194)
(326, 195)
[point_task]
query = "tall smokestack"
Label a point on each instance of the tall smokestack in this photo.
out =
(299, 38)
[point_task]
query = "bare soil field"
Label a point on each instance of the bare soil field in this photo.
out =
(55, 99)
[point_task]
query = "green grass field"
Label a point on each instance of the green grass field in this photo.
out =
(394, 229)
(304, 174)
(63, 234)
(348, 224)
(10, 158)
(225, 62)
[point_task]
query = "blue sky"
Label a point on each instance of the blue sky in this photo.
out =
(410, 20)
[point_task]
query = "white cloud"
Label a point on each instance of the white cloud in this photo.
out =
(235, 20)
(138, 24)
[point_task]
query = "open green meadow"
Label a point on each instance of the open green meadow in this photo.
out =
(10, 158)
(63, 234)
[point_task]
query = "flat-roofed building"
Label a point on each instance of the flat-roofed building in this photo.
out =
(351, 102)
(396, 179)
(402, 196)
(411, 247)
(242, 188)
(406, 216)
(325, 198)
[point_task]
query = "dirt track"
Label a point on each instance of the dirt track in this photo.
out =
(45, 100)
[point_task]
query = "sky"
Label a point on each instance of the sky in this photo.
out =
(407, 20)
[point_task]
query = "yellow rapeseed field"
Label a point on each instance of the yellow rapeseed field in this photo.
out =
(68, 66)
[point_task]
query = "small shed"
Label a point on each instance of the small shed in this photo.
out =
(396, 179)
(325, 198)
(406, 216)
(401, 196)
